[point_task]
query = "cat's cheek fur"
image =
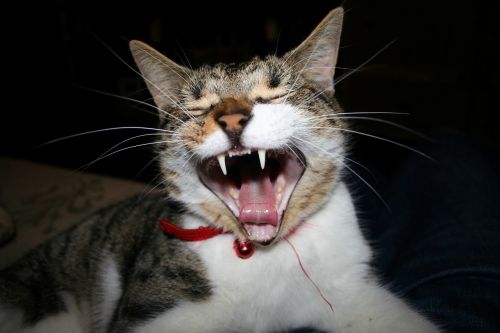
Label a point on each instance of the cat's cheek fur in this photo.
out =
(272, 126)
(215, 143)
(312, 191)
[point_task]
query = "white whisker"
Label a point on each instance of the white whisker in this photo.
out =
(360, 165)
(117, 145)
(345, 76)
(293, 152)
(124, 149)
(163, 91)
(383, 121)
(301, 71)
(340, 116)
(369, 186)
(151, 189)
(190, 84)
(329, 67)
(184, 54)
(104, 130)
(151, 161)
(355, 113)
(125, 98)
(374, 137)
(316, 94)
(139, 73)
(347, 167)
(277, 43)
(190, 156)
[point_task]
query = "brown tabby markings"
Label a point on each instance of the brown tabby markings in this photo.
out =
(194, 135)
(310, 194)
(170, 175)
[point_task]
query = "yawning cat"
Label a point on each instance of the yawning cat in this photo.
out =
(259, 232)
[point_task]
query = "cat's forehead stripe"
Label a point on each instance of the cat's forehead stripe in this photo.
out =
(253, 80)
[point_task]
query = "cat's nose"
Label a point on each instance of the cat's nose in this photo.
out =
(232, 115)
(233, 122)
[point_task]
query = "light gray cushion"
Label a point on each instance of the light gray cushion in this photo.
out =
(41, 201)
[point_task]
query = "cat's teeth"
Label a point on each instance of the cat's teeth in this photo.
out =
(222, 163)
(280, 184)
(262, 158)
(239, 153)
(279, 195)
(234, 194)
(280, 187)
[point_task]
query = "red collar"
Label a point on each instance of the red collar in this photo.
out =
(243, 249)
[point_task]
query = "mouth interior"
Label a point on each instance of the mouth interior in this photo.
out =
(257, 196)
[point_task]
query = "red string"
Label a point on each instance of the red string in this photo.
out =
(307, 275)
(199, 234)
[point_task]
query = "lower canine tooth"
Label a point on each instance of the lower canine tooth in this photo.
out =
(279, 196)
(280, 183)
(262, 158)
(222, 163)
(233, 193)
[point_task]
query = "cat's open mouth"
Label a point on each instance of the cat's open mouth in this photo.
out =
(255, 185)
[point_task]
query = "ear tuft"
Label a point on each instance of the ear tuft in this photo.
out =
(162, 76)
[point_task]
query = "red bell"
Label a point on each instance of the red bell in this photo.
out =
(243, 249)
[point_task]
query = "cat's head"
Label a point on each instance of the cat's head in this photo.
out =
(254, 147)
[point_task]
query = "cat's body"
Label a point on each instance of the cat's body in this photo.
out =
(250, 150)
(150, 282)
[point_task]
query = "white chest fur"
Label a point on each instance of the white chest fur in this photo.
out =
(270, 292)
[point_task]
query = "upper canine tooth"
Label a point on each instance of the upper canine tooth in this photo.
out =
(262, 158)
(222, 163)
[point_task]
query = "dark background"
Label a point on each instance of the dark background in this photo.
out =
(443, 69)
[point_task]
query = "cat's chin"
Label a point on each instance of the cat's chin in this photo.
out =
(255, 185)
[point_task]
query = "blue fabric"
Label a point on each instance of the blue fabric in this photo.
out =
(439, 245)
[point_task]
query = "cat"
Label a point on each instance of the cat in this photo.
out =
(252, 156)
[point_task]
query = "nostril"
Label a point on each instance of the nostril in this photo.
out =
(243, 122)
(222, 124)
(233, 122)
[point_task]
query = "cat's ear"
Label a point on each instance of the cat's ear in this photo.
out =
(162, 76)
(316, 57)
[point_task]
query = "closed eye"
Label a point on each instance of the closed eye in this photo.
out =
(200, 111)
(266, 100)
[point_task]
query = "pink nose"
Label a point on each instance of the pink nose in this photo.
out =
(233, 122)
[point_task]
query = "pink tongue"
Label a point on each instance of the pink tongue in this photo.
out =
(257, 198)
